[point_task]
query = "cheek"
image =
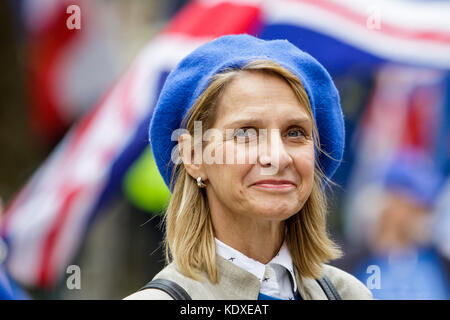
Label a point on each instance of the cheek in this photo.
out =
(304, 160)
(228, 189)
(229, 169)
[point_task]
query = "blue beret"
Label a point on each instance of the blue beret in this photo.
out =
(413, 173)
(192, 75)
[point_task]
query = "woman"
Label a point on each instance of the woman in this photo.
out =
(262, 135)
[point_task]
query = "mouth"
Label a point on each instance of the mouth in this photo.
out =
(274, 185)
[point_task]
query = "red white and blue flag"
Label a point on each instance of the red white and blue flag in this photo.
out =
(47, 220)
(58, 60)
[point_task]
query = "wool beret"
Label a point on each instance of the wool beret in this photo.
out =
(191, 76)
(413, 173)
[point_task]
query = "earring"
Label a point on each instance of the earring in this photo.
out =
(200, 183)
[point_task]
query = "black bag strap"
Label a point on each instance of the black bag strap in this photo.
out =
(169, 287)
(178, 293)
(328, 288)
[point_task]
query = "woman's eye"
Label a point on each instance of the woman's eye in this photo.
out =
(245, 134)
(295, 133)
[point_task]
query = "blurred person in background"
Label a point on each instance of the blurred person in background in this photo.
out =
(399, 241)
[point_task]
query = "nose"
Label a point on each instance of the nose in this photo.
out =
(273, 155)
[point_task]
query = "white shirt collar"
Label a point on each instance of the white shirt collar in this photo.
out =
(277, 277)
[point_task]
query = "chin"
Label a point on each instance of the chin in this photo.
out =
(275, 212)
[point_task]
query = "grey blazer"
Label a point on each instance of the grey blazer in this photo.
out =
(236, 283)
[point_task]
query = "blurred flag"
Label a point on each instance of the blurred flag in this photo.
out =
(59, 59)
(47, 220)
(356, 35)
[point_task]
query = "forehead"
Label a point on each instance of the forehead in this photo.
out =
(259, 94)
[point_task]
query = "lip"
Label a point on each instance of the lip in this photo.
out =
(274, 184)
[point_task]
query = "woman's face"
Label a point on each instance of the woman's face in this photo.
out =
(283, 155)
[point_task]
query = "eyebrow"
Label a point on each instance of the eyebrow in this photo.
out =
(258, 122)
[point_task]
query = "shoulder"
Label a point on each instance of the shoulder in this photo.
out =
(149, 294)
(348, 286)
(169, 272)
(196, 289)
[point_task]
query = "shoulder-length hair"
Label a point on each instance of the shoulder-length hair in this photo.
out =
(189, 236)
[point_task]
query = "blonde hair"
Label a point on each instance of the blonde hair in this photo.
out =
(189, 235)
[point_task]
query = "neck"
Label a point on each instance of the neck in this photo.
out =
(258, 239)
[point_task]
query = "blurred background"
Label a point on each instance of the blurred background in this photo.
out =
(81, 198)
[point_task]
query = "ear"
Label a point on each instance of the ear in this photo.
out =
(192, 161)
